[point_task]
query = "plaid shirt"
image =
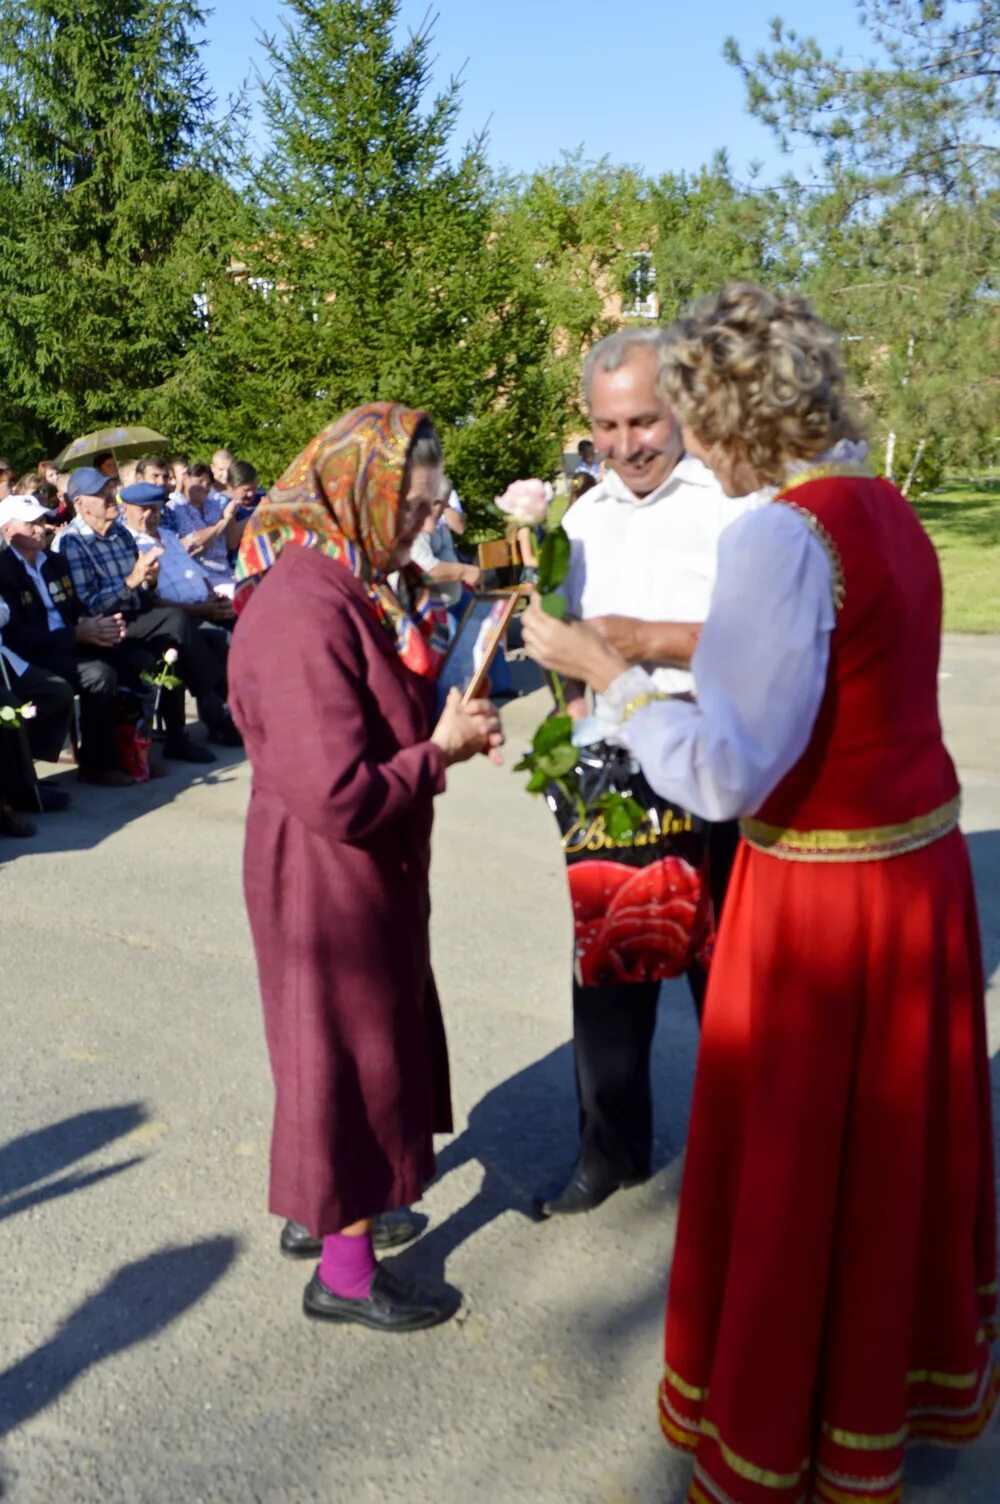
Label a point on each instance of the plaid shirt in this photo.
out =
(98, 567)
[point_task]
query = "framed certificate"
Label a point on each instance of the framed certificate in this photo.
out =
(474, 646)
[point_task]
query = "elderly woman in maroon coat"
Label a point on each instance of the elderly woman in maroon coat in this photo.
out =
(331, 681)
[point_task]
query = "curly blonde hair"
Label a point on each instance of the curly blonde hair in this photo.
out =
(759, 366)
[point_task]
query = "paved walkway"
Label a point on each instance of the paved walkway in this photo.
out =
(151, 1347)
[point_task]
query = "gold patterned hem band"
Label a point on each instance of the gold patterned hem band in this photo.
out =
(875, 844)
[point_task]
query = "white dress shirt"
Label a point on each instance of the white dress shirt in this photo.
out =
(653, 557)
(759, 671)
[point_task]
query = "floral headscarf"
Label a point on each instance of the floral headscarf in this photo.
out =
(342, 495)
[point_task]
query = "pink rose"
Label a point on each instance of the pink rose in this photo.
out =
(170, 656)
(526, 500)
(28, 712)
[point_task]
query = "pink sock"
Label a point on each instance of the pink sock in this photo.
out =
(347, 1265)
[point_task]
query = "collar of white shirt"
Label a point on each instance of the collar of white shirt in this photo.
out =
(687, 472)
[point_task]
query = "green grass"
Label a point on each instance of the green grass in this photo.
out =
(963, 519)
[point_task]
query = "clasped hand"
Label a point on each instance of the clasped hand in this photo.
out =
(465, 730)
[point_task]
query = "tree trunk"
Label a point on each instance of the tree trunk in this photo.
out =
(912, 474)
(890, 453)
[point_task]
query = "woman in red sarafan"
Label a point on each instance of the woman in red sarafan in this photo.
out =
(833, 1291)
(332, 684)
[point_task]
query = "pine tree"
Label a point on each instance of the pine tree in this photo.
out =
(370, 265)
(899, 229)
(110, 200)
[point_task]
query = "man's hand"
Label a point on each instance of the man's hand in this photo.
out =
(230, 509)
(213, 608)
(145, 569)
(100, 631)
(471, 576)
(668, 642)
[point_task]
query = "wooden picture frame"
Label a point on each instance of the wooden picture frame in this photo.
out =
(477, 638)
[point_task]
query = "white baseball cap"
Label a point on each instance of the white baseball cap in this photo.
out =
(22, 509)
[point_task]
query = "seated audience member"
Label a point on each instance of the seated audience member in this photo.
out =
(54, 649)
(178, 475)
(434, 552)
(111, 576)
(243, 487)
(58, 511)
(182, 580)
(107, 465)
(12, 771)
(581, 483)
(221, 461)
(206, 525)
(154, 471)
(8, 476)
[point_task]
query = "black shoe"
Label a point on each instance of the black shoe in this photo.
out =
(12, 824)
(52, 799)
(183, 749)
(581, 1193)
(393, 1304)
(389, 1230)
(225, 734)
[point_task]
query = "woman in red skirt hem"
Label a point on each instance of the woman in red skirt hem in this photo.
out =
(833, 1291)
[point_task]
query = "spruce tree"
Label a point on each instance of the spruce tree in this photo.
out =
(110, 201)
(370, 264)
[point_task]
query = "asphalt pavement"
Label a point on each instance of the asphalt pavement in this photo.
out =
(152, 1347)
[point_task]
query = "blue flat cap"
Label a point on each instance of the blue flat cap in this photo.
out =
(144, 494)
(85, 482)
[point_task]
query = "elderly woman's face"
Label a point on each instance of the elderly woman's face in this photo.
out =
(416, 507)
(728, 463)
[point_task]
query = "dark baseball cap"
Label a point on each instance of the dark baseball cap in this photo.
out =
(86, 482)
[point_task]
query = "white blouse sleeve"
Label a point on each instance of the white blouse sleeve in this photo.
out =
(759, 670)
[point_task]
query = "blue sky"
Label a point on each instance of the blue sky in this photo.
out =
(645, 85)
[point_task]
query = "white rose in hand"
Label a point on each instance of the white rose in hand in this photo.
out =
(527, 501)
(170, 657)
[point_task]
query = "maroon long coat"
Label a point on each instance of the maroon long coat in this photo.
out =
(336, 880)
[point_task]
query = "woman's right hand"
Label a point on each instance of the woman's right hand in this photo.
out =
(465, 730)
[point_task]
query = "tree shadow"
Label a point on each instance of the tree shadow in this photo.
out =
(136, 1303)
(35, 1156)
(963, 512)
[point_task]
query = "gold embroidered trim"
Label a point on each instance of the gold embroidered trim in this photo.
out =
(863, 1441)
(987, 1289)
(640, 702)
(838, 583)
(823, 472)
(749, 1470)
(689, 1391)
(871, 845)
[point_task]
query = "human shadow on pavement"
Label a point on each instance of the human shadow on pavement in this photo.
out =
(984, 850)
(96, 813)
(136, 1303)
(524, 1134)
(27, 1161)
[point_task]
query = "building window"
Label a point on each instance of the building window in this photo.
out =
(640, 288)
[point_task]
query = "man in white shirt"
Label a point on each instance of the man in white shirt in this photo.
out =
(644, 545)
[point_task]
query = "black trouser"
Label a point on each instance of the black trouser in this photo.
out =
(51, 693)
(199, 664)
(613, 1027)
(99, 672)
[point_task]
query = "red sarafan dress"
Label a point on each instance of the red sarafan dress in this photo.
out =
(833, 1288)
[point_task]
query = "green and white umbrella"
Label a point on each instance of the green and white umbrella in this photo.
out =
(123, 443)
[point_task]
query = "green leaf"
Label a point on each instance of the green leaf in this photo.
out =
(553, 559)
(555, 605)
(551, 733)
(538, 781)
(559, 761)
(527, 763)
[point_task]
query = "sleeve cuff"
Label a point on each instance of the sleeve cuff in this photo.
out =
(628, 693)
